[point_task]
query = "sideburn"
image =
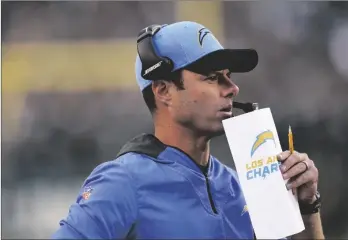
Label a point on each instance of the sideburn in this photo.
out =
(176, 78)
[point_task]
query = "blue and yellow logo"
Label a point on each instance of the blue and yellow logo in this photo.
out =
(245, 210)
(261, 139)
(264, 166)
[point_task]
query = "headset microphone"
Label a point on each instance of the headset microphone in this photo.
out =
(245, 107)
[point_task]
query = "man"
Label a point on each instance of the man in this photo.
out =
(167, 185)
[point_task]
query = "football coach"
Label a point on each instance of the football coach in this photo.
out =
(167, 185)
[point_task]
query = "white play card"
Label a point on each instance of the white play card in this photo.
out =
(254, 144)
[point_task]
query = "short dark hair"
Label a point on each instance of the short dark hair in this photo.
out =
(149, 97)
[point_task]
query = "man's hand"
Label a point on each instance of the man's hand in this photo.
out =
(303, 178)
(302, 174)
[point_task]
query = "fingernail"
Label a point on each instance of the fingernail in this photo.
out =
(279, 157)
(282, 168)
(288, 186)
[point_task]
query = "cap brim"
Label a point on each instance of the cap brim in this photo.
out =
(236, 60)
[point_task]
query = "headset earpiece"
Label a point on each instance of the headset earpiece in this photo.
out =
(154, 67)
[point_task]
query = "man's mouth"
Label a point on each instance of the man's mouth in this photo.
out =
(226, 111)
(227, 108)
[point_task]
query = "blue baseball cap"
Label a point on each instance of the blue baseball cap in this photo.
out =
(191, 45)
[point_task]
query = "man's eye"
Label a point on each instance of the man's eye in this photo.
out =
(212, 78)
(229, 74)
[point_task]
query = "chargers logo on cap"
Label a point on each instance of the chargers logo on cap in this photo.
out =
(202, 33)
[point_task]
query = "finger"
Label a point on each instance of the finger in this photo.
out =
(297, 169)
(301, 179)
(294, 191)
(292, 160)
(283, 155)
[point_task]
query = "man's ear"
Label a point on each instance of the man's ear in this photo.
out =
(161, 91)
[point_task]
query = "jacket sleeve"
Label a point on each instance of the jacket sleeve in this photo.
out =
(106, 207)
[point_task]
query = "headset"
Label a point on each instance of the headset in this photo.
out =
(155, 67)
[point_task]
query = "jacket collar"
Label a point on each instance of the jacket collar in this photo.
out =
(149, 145)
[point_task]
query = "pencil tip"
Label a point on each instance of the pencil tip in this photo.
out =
(289, 128)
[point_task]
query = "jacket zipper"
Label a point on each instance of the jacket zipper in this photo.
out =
(212, 205)
(209, 194)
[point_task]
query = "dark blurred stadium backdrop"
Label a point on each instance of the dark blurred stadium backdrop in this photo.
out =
(69, 97)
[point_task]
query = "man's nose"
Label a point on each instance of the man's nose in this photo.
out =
(230, 89)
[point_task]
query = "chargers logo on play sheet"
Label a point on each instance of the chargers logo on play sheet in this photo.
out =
(261, 139)
(261, 167)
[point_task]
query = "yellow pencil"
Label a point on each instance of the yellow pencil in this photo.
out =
(291, 141)
(291, 149)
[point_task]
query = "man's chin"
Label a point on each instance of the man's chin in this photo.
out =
(216, 132)
(212, 130)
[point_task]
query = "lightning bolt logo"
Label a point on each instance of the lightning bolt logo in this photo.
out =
(261, 139)
(245, 210)
(202, 33)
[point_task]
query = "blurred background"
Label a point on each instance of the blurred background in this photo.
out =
(70, 100)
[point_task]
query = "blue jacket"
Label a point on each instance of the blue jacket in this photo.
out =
(156, 191)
